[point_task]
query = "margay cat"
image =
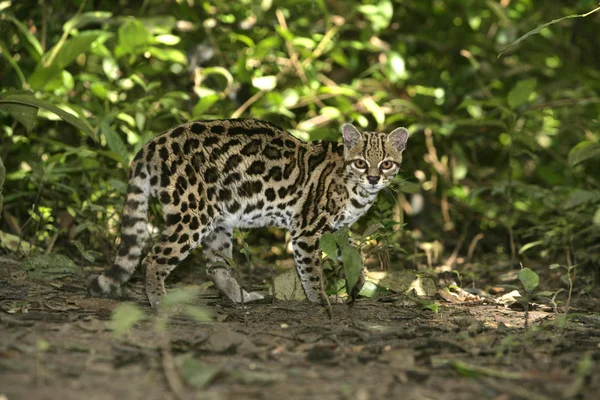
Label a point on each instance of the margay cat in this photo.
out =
(213, 176)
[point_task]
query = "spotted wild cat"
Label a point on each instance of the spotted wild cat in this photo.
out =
(213, 176)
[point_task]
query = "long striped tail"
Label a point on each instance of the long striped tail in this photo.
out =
(134, 234)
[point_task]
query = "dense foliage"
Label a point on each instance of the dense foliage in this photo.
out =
(505, 146)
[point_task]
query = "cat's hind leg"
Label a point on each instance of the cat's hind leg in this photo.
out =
(217, 249)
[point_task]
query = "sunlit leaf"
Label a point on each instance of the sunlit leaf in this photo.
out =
(530, 245)
(375, 109)
(265, 83)
(529, 279)
(173, 55)
(134, 38)
(169, 40)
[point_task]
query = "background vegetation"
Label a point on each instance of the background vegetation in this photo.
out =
(503, 159)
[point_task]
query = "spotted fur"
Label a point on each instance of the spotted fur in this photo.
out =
(213, 176)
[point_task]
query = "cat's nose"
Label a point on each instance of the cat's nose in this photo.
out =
(373, 179)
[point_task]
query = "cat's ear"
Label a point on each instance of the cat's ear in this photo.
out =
(351, 135)
(398, 138)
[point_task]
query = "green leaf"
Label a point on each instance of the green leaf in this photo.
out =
(265, 83)
(529, 246)
(521, 92)
(114, 142)
(200, 314)
(29, 100)
(125, 316)
(168, 39)
(70, 50)
(179, 297)
(2, 174)
(580, 197)
(26, 115)
(529, 279)
(86, 18)
(541, 27)
(173, 55)
(374, 109)
(328, 245)
(35, 44)
(194, 372)
(352, 266)
(596, 219)
(583, 151)
(204, 104)
(134, 38)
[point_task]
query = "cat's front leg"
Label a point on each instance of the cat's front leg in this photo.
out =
(307, 255)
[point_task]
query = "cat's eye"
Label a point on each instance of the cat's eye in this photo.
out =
(386, 165)
(360, 164)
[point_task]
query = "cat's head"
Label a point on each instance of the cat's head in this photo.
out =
(373, 158)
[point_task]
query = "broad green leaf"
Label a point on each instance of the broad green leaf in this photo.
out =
(134, 38)
(547, 24)
(580, 197)
(25, 114)
(529, 279)
(521, 92)
(125, 316)
(29, 100)
(584, 151)
(114, 142)
(68, 53)
(328, 245)
(352, 265)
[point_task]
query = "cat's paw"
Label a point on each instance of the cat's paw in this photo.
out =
(333, 299)
(252, 296)
(99, 286)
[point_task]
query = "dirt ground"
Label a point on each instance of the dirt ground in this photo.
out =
(57, 343)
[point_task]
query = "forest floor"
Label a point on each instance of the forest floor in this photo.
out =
(57, 343)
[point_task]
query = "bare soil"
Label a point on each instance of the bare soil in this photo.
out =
(57, 343)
